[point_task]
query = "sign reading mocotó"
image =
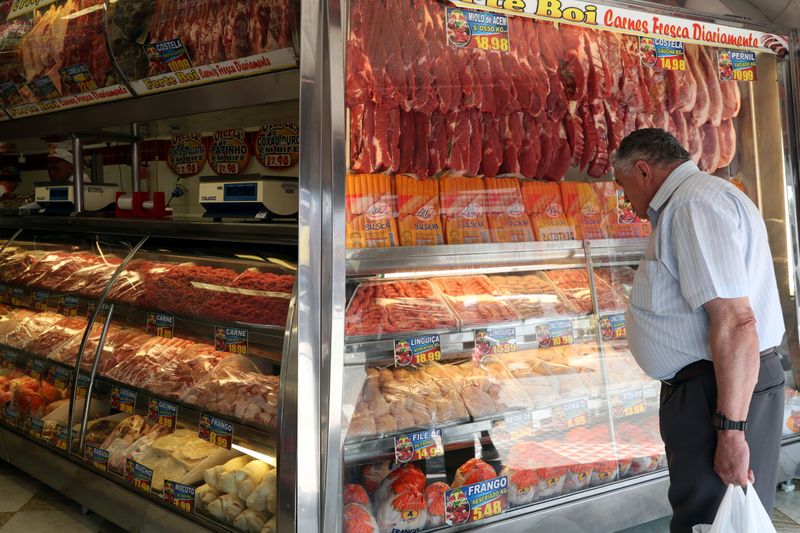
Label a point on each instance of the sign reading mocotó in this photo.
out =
(229, 153)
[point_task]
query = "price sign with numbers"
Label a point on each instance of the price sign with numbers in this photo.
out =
(160, 324)
(123, 400)
(663, 53)
(628, 403)
(60, 437)
(229, 152)
(216, 431)
(67, 305)
(39, 300)
(492, 341)
(179, 495)
(571, 414)
(101, 314)
(162, 413)
(473, 503)
(11, 415)
(417, 446)
(187, 154)
(138, 475)
(76, 79)
(417, 350)
(9, 359)
(36, 368)
(512, 428)
(613, 327)
(233, 340)
(34, 426)
(61, 377)
(168, 56)
(82, 385)
(737, 65)
(19, 296)
(278, 145)
(557, 333)
(96, 457)
(482, 30)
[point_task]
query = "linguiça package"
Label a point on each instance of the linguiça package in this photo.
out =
(370, 211)
(506, 211)
(418, 218)
(543, 204)
(584, 210)
(531, 295)
(473, 300)
(574, 285)
(463, 202)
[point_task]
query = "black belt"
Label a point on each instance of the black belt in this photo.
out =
(699, 368)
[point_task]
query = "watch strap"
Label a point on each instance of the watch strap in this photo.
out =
(721, 423)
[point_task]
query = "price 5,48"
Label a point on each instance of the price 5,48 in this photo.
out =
(492, 43)
(485, 511)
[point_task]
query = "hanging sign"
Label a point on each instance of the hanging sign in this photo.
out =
(233, 340)
(82, 385)
(557, 333)
(167, 56)
(187, 154)
(737, 65)
(160, 324)
(663, 53)
(162, 413)
(278, 145)
(67, 305)
(417, 350)
(418, 446)
(472, 503)
(216, 431)
(101, 314)
(11, 415)
(103, 94)
(123, 400)
(179, 495)
(633, 22)
(21, 7)
(60, 377)
(492, 341)
(229, 152)
(76, 79)
(138, 475)
(468, 28)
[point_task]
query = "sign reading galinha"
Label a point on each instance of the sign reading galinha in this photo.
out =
(626, 20)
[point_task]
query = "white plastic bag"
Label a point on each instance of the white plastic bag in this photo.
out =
(739, 513)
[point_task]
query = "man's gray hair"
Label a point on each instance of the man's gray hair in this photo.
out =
(652, 145)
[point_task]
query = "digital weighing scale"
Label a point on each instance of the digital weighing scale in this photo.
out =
(274, 199)
(59, 200)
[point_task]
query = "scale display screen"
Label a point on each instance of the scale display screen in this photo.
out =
(59, 194)
(240, 192)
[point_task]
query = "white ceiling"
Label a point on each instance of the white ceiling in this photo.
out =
(785, 13)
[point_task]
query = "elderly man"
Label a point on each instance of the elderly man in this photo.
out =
(705, 319)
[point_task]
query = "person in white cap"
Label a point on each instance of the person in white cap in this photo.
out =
(61, 166)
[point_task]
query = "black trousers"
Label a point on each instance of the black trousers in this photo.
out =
(695, 489)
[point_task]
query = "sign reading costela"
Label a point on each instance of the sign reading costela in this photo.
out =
(628, 20)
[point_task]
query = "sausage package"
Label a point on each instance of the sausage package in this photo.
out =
(543, 205)
(474, 300)
(621, 220)
(584, 210)
(463, 203)
(506, 211)
(418, 217)
(371, 209)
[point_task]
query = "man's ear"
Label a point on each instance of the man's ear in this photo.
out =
(644, 170)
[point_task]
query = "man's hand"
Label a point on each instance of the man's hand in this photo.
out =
(732, 459)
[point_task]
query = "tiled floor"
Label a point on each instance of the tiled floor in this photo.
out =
(785, 517)
(27, 506)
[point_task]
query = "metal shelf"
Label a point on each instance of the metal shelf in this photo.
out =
(493, 257)
(183, 229)
(263, 89)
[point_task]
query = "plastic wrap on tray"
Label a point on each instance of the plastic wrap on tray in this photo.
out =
(574, 285)
(548, 467)
(548, 377)
(29, 329)
(531, 295)
(90, 280)
(236, 387)
(121, 345)
(488, 387)
(15, 265)
(473, 300)
(396, 306)
(184, 370)
(543, 204)
(140, 369)
(65, 330)
(418, 213)
(12, 320)
(404, 398)
(67, 352)
(620, 278)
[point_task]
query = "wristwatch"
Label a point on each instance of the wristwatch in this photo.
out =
(720, 422)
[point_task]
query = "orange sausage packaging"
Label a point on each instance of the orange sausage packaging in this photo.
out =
(543, 204)
(370, 205)
(463, 203)
(584, 210)
(418, 218)
(506, 211)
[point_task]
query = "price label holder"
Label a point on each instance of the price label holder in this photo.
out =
(122, 400)
(233, 340)
(160, 325)
(138, 475)
(482, 30)
(473, 503)
(612, 327)
(417, 446)
(36, 368)
(96, 457)
(511, 429)
(417, 350)
(76, 79)
(571, 414)
(9, 360)
(216, 431)
(556, 333)
(40, 300)
(662, 53)
(34, 426)
(179, 495)
(19, 296)
(164, 414)
(82, 385)
(60, 377)
(628, 403)
(60, 437)
(490, 341)
(101, 314)
(737, 65)
(67, 305)
(11, 416)
(168, 56)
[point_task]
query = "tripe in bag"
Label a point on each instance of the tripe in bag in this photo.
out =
(739, 513)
